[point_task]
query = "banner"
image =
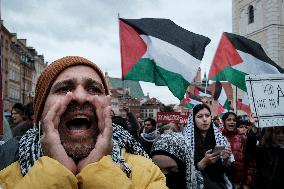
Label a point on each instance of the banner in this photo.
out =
(266, 98)
(172, 117)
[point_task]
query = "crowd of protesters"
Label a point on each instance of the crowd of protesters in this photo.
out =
(223, 152)
(250, 157)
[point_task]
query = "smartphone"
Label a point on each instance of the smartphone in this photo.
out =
(218, 148)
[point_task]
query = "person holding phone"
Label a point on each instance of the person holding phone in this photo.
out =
(202, 137)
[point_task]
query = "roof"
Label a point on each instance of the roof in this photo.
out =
(134, 86)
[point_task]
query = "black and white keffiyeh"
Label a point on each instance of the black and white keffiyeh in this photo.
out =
(30, 148)
(150, 137)
(174, 144)
(188, 133)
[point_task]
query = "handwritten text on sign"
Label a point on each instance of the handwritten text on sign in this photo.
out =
(266, 94)
(172, 117)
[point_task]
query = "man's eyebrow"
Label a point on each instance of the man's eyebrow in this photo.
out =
(62, 84)
(90, 81)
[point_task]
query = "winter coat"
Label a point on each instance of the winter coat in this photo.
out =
(49, 173)
(244, 164)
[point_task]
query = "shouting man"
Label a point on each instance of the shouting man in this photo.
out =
(71, 147)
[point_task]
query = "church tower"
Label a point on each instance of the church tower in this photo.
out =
(263, 22)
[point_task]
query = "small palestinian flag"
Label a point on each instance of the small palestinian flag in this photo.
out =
(243, 104)
(221, 97)
(191, 100)
(201, 92)
(161, 52)
(236, 57)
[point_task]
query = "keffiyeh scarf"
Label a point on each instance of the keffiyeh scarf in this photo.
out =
(30, 148)
(149, 137)
(174, 144)
(188, 133)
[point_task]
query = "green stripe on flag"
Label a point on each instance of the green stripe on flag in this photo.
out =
(189, 106)
(232, 75)
(227, 105)
(147, 70)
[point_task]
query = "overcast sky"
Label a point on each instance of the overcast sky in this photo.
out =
(89, 28)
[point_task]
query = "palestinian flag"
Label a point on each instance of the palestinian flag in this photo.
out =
(236, 57)
(201, 92)
(221, 97)
(243, 104)
(191, 100)
(161, 52)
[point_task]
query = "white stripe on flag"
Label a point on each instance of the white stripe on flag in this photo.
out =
(223, 97)
(252, 65)
(245, 100)
(170, 57)
(194, 102)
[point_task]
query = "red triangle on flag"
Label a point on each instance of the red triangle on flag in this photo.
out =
(132, 47)
(187, 97)
(226, 55)
(243, 107)
(220, 109)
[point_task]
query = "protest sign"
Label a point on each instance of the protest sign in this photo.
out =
(172, 117)
(266, 96)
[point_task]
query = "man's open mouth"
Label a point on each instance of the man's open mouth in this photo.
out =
(79, 122)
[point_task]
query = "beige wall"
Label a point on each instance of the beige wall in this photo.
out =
(268, 26)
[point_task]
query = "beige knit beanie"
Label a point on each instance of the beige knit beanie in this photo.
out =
(49, 75)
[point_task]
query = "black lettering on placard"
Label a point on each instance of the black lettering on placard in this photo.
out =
(272, 103)
(280, 93)
(260, 103)
(268, 89)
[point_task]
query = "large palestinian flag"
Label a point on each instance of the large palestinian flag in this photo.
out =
(236, 57)
(161, 52)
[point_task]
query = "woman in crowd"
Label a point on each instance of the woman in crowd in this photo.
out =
(244, 167)
(202, 137)
(270, 159)
(175, 160)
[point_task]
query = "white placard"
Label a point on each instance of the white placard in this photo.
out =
(266, 96)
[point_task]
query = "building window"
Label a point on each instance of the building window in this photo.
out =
(250, 14)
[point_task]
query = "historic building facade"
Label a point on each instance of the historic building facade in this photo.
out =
(263, 22)
(21, 66)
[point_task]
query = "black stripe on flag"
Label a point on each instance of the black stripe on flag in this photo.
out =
(251, 47)
(168, 31)
(218, 90)
(193, 97)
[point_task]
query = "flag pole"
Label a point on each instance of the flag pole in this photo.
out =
(205, 83)
(123, 88)
(236, 101)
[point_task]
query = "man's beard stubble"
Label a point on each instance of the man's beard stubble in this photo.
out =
(79, 147)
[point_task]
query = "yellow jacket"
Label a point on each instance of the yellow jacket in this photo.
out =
(49, 173)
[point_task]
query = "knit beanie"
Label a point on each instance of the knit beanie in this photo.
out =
(49, 75)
